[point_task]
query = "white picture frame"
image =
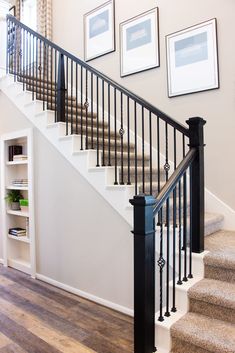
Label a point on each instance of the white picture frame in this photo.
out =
(192, 59)
(139, 43)
(99, 31)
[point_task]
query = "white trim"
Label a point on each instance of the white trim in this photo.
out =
(215, 205)
(85, 295)
(1, 261)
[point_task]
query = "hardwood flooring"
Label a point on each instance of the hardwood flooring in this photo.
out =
(38, 318)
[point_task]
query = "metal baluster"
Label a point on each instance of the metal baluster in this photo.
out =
(115, 131)
(161, 263)
(109, 129)
(14, 56)
(24, 60)
(32, 63)
(71, 105)
(52, 77)
(173, 309)
(43, 75)
(92, 111)
(190, 275)
(56, 85)
(179, 282)
(47, 65)
(143, 151)
(150, 153)
(86, 106)
(128, 142)
(81, 102)
(103, 146)
(8, 46)
(66, 95)
(36, 68)
(167, 313)
(185, 279)
(158, 155)
(121, 133)
(136, 170)
(76, 98)
(97, 120)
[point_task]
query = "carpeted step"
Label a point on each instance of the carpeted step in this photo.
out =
(200, 334)
(213, 298)
(220, 262)
(140, 174)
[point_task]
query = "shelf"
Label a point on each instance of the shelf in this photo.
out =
(11, 187)
(18, 213)
(20, 264)
(17, 162)
(23, 239)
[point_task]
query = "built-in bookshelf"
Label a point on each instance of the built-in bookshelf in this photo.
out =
(18, 226)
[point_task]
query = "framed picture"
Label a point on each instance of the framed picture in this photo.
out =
(99, 31)
(192, 59)
(139, 42)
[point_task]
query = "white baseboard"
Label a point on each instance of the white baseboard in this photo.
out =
(1, 261)
(85, 295)
(215, 205)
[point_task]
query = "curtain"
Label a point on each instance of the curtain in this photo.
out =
(44, 18)
(18, 5)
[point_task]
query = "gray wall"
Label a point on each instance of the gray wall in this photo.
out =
(81, 241)
(217, 106)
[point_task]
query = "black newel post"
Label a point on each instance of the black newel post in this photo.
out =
(196, 140)
(144, 274)
(60, 97)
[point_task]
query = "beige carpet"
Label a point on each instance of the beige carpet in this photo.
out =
(209, 327)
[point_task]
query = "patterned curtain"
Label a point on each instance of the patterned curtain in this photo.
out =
(44, 18)
(19, 8)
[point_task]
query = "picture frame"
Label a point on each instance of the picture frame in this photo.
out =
(192, 59)
(99, 31)
(139, 43)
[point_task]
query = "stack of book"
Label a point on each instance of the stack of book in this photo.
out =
(20, 183)
(13, 151)
(20, 157)
(17, 232)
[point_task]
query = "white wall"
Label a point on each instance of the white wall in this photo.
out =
(217, 106)
(81, 241)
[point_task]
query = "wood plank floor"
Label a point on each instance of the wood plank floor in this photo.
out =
(38, 318)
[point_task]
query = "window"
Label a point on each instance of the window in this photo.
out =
(29, 13)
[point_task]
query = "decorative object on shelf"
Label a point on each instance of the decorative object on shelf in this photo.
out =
(13, 199)
(20, 157)
(192, 59)
(20, 182)
(24, 205)
(17, 232)
(99, 31)
(139, 37)
(14, 151)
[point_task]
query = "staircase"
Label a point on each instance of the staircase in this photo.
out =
(124, 146)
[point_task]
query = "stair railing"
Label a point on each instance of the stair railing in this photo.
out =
(161, 159)
(179, 213)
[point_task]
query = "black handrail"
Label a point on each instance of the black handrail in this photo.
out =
(174, 179)
(181, 128)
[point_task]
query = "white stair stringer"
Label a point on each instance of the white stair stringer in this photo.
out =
(162, 329)
(84, 161)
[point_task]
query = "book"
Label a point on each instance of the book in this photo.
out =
(13, 151)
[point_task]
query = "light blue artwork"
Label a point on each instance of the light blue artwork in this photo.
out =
(138, 35)
(191, 50)
(99, 24)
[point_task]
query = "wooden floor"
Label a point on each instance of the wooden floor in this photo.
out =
(38, 318)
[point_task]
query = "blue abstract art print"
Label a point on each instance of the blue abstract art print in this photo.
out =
(99, 24)
(138, 35)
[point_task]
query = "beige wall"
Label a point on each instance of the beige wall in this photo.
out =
(81, 241)
(217, 106)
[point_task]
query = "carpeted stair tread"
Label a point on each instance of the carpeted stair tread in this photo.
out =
(214, 292)
(201, 331)
(222, 250)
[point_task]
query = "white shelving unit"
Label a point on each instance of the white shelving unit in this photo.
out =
(18, 252)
